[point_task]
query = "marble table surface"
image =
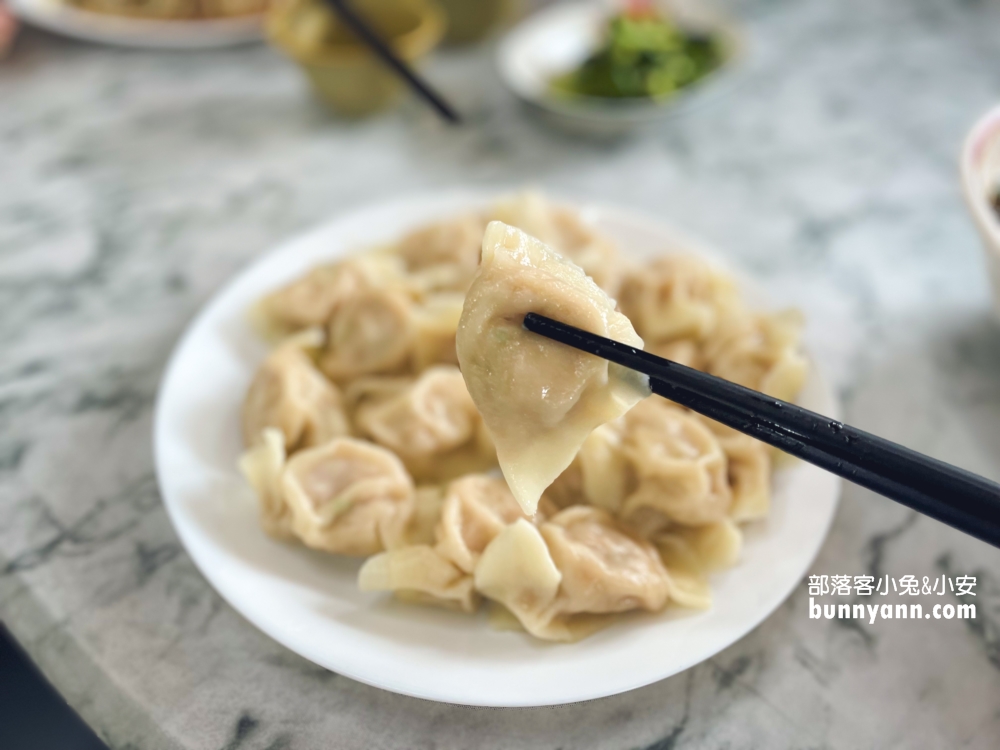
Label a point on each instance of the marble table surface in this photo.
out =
(133, 184)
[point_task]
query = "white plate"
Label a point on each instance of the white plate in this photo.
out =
(558, 39)
(57, 16)
(309, 602)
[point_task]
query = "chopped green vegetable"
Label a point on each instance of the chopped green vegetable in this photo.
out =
(644, 55)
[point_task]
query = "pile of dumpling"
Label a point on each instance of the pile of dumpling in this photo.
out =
(363, 437)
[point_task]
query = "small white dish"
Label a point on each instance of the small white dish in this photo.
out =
(309, 601)
(122, 31)
(558, 39)
(980, 170)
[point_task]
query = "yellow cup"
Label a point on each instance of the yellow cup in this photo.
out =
(344, 72)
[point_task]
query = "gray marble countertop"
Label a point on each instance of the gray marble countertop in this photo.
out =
(133, 184)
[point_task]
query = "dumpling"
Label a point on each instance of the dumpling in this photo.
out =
(563, 231)
(600, 474)
(567, 489)
(539, 399)
(476, 508)
(579, 564)
(373, 388)
(691, 554)
(748, 469)
(444, 255)
(517, 571)
(312, 299)
(435, 323)
(347, 496)
(422, 517)
(433, 415)
(370, 333)
(703, 549)
(263, 465)
(431, 424)
(305, 302)
(678, 297)
(681, 468)
(437, 568)
(686, 352)
(605, 567)
(290, 394)
(749, 463)
(420, 575)
(760, 352)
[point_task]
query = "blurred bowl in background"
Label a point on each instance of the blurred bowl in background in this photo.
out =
(472, 20)
(980, 170)
(343, 71)
(558, 39)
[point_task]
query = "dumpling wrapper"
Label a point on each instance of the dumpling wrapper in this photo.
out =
(288, 393)
(563, 230)
(419, 574)
(539, 399)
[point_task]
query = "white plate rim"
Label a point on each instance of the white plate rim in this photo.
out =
(78, 23)
(572, 693)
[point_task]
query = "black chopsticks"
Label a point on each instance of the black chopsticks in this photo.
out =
(360, 27)
(947, 493)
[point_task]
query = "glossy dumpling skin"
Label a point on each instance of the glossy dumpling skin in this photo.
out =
(539, 399)
(517, 571)
(432, 415)
(680, 467)
(605, 566)
(420, 575)
(749, 471)
(372, 332)
(564, 231)
(430, 423)
(563, 579)
(443, 255)
(291, 395)
(600, 475)
(476, 508)
(760, 351)
(435, 323)
(678, 297)
(263, 465)
(691, 554)
(346, 496)
(313, 299)
(444, 538)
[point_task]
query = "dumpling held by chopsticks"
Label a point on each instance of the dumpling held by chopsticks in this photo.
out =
(539, 399)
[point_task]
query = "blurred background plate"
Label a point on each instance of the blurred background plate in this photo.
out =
(64, 19)
(309, 601)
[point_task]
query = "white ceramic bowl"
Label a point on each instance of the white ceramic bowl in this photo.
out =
(557, 39)
(980, 166)
(310, 601)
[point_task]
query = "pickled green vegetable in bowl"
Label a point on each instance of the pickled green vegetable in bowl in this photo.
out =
(644, 55)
